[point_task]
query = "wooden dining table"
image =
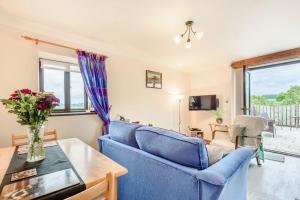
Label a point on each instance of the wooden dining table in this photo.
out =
(91, 165)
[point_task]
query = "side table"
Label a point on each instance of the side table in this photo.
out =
(198, 133)
(215, 127)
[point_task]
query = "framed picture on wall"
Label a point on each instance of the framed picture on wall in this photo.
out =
(153, 79)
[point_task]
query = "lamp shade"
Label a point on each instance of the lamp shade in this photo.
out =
(179, 96)
(199, 35)
(188, 44)
(177, 39)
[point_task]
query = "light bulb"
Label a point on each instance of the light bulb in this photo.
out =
(188, 44)
(177, 39)
(199, 35)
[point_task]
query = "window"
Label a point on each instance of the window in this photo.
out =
(65, 81)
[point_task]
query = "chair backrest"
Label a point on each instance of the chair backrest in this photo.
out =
(254, 124)
(19, 139)
(103, 188)
(50, 136)
(264, 115)
(22, 139)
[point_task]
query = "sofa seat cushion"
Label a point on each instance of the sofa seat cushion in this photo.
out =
(173, 146)
(226, 145)
(123, 132)
(215, 153)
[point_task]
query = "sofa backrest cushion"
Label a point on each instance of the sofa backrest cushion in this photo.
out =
(187, 151)
(123, 132)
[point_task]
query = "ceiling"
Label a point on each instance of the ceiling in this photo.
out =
(233, 29)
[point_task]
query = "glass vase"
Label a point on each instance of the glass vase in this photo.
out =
(36, 150)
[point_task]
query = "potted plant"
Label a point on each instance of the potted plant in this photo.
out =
(32, 110)
(219, 116)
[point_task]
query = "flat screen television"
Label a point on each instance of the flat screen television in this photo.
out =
(204, 102)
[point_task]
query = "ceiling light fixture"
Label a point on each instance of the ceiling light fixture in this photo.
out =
(189, 30)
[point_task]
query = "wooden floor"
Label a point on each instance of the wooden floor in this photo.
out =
(275, 180)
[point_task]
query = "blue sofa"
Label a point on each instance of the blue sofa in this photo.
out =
(164, 165)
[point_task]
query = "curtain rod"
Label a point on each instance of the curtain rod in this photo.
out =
(37, 41)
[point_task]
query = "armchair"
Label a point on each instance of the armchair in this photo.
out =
(248, 134)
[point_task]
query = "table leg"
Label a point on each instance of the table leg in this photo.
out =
(212, 129)
(213, 134)
(115, 188)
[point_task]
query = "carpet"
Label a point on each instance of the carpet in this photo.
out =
(274, 157)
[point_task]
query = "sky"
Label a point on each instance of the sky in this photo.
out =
(54, 82)
(275, 79)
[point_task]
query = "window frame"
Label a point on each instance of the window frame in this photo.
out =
(67, 92)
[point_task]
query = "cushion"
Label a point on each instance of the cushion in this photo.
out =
(187, 151)
(215, 153)
(226, 145)
(236, 130)
(123, 132)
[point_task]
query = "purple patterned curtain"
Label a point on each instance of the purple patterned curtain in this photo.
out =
(94, 76)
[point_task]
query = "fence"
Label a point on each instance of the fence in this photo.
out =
(284, 115)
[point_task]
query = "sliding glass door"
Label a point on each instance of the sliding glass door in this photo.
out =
(247, 91)
(273, 92)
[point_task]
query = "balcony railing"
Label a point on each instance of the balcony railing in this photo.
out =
(284, 115)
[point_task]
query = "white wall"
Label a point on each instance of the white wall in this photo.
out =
(130, 98)
(127, 93)
(213, 81)
(237, 92)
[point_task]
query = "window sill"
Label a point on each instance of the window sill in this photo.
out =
(57, 114)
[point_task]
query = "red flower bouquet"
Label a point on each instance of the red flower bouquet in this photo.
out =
(32, 109)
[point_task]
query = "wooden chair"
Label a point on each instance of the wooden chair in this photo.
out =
(15, 139)
(50, 136)
(103, 188)
(22, 139)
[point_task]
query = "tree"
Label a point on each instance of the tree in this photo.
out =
(292, 96)
(260, 100)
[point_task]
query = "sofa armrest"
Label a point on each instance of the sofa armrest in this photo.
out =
(221, 171)
(103, 137)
